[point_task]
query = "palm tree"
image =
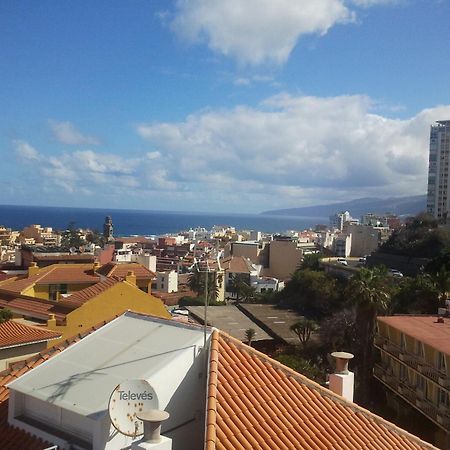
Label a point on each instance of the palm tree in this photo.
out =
(369, 292)
(196, 283)
(238, 285)
(303, 329)
(249, 335)
(441, 281)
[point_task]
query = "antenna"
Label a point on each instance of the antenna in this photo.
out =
(128, 401)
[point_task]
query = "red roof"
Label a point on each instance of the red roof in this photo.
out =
(254, 402)
(13, 334)
(54, 274)
(425, 329)
(121, 270)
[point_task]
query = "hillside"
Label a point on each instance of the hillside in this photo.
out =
(402, 206)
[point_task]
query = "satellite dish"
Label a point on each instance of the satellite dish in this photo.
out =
(128, 400)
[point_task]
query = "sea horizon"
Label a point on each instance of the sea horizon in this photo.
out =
(147, 222)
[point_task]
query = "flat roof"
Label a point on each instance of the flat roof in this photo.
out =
(136, 346)
(423, 328)
(229, 319)
(276, 319)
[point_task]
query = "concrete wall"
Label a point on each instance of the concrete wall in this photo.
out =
(10, 355)
(284, 257)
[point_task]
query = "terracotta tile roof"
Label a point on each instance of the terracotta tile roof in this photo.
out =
(82, 296)
(173, 298)
(34, 307)
(423, 328)
(12, 438)
(120, 270)
(236, 264)
(56, 273)
(13, 334)
(255, 402)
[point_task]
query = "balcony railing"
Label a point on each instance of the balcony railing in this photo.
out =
(414, 396)
(414, 361)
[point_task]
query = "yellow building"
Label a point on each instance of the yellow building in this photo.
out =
(71, 298)
(415, 363)
(101, 302)
(52, 282)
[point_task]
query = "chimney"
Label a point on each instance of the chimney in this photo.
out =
(51, 321)
(33, 269)
(342, 381)
(152, 428)
(131, 277)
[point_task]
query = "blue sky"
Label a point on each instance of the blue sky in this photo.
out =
(206, 105)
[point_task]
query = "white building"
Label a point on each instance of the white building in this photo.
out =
(438, 170)
(337, 220)
(65, 400)
(167, 281)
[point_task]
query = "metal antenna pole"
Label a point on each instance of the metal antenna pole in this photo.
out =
(205, 318)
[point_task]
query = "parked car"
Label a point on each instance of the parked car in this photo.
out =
(342, 261)
(396, 273)
(362, 259)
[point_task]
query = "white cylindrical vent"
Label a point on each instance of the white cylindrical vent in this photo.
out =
(152, 424)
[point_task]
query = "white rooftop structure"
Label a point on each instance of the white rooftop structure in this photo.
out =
(68, 395)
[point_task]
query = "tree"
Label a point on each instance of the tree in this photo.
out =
(338, 332)
(71, 238)
(313, 294)
(303, 366)
(303, 329)
(196, 283)
(441, 281)
(249, 335)
(311, 261)
(5, 315)
(369, 292)
(417, 295)
(240, 282)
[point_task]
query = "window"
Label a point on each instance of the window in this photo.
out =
(402, 342)
(442, 366)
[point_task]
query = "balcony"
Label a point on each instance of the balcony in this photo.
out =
(414, 396)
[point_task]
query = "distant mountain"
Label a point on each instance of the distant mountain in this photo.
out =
(401, 206)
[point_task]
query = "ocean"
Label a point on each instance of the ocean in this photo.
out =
(139, 222)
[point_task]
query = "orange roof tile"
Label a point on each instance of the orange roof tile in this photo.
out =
(120, 270)
(12, 438)
(56, 273)
(255, 402)
(423, 328)
(13, 334)
(236, 264)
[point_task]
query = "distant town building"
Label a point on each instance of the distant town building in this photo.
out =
(108, 229)
(338, 220)
(438, 170)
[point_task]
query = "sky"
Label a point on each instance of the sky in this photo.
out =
(221, 106)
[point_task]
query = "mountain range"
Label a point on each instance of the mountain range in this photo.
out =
(401, 206)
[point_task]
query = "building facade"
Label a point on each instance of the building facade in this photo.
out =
(414, 364)
(438, 173)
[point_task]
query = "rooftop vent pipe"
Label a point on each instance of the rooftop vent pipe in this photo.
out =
(342, 381)
(152, 438)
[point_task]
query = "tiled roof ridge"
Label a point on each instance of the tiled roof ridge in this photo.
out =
(324, 391)
(13, 334)
(89, 292)
(211, 396)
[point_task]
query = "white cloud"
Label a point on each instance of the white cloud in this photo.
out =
(291, 150)
(66, 133)
(260, 31)
(25, 151)
(287, 151)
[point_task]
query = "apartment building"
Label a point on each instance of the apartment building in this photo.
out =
(438, 173)
(414, 364)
